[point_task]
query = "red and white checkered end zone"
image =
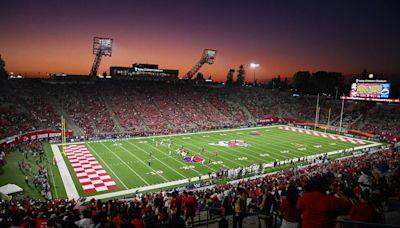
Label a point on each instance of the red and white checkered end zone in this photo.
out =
(321, 134)
(90, 173)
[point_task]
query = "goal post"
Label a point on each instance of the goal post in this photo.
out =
(63, 134)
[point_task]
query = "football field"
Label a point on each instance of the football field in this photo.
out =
(112, 168)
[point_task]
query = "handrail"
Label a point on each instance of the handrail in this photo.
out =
(366, 224)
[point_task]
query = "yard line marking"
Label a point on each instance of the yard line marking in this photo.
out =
(249, 149)
(178, 159)
(295, 152)
(105, 163)
(158, 160)
(124, 163)
(219, 154)
(132, 154)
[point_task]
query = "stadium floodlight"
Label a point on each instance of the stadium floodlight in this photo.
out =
(208, 56)
(254, 66)
(101, 47)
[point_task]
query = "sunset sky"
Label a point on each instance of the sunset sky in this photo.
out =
(282, 36)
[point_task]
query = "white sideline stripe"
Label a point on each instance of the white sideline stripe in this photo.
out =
(146, 188)
(69, 185)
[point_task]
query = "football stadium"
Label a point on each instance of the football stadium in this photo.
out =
(155, 119)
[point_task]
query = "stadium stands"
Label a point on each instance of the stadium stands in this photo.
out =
(143, 107)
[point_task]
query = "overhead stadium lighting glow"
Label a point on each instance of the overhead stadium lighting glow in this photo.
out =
(254, 65)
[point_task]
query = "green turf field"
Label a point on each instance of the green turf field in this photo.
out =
(126, 160)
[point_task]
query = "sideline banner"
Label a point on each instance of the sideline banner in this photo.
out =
(42, 134)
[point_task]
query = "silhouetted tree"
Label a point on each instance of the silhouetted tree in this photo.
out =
(325, 82)
(241, 76)
(302, 81)
(200, 77)
(3, 72)
(364, 74)
(285, 83)
(229, 77)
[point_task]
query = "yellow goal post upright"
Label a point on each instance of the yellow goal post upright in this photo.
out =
(63, 134)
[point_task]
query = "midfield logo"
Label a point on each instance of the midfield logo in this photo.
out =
(231, 143)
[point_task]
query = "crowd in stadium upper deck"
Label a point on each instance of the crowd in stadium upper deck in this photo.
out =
(361, 188)
(146, 107)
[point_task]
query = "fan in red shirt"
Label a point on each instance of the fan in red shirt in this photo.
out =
(362, 211)
(291, 215)
(189, 203)
(137, 222)
(319, 209)
(119, 221)
(41, 221)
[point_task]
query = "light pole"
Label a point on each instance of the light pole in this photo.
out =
(254, 66)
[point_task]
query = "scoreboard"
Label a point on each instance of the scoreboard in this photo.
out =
(370, 89)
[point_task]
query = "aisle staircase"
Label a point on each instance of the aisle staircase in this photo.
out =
(69, 121)
(115, 118)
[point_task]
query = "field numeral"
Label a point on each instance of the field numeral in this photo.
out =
(216, 162)
(157, 172)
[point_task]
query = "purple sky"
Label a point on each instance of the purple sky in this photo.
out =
(283, 36)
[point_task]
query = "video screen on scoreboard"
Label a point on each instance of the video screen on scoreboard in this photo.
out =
(370, 90)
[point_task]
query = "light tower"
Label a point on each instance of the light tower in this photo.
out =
(101, 47)
(254, 66)
(207, 57)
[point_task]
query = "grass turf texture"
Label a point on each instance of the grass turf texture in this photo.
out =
(126, 160)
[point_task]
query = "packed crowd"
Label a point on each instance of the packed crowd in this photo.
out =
(157, 107)
(355, 188)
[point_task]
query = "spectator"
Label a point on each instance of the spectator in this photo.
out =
(190, 207)
(240, 208)
(362, 211)
(287, 209)
(85, 221)
(319, 209)
(266, 204)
